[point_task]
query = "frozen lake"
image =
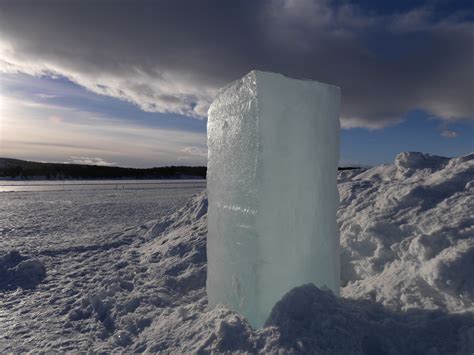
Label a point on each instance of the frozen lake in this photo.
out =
(76, 185)
(73, 210)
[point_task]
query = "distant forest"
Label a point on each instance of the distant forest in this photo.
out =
(21, 169)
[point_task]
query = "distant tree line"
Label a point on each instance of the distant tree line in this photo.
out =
(21, 169)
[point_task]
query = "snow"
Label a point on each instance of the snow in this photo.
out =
(314, 321)
(88, 243)
(267, 235)
(407, 233)
(407, 246)
(16, 270)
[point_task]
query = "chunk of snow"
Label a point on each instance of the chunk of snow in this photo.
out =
(29, 272)
(408, 162)
(17, 270)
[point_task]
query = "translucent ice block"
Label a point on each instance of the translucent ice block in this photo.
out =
(273, 153)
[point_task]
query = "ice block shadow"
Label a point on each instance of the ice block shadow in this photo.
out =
(313, 320)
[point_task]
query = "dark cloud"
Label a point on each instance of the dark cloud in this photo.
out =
(171, 56)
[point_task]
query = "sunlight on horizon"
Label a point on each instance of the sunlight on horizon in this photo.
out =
(35, 129)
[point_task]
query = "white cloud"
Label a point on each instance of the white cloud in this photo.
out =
(449, 134)
(46, 96)
(199, 151)
(55, 120)
(90, 161)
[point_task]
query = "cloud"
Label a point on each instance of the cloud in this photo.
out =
(46, 96)
(90, 161)
(192, 154)
(24, 135)
(55, 120)
(196, 151)
(449, 134)
(172, 56)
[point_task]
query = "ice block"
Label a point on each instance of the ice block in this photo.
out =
(273, 145)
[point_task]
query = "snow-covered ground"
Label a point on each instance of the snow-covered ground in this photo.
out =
(93, 274)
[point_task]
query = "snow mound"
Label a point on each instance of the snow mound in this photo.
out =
(407, 163)
(407, 233)
(310, 320)
(18, 271)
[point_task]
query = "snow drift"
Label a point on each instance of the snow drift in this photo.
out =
(407, 233)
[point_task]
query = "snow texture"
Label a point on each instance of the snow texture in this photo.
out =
(18, 271)
(406, 260)
(258, 247)
(407, 233)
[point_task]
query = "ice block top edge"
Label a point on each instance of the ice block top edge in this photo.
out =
(253, 75)
(258, 73)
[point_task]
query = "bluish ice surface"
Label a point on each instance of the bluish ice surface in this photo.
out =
(273, 154)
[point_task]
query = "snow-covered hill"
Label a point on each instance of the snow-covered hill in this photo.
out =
(407, 255)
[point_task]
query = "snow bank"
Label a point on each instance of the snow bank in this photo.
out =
(407, 233)
(399, 296)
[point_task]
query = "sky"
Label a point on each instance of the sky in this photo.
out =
(128, 83)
